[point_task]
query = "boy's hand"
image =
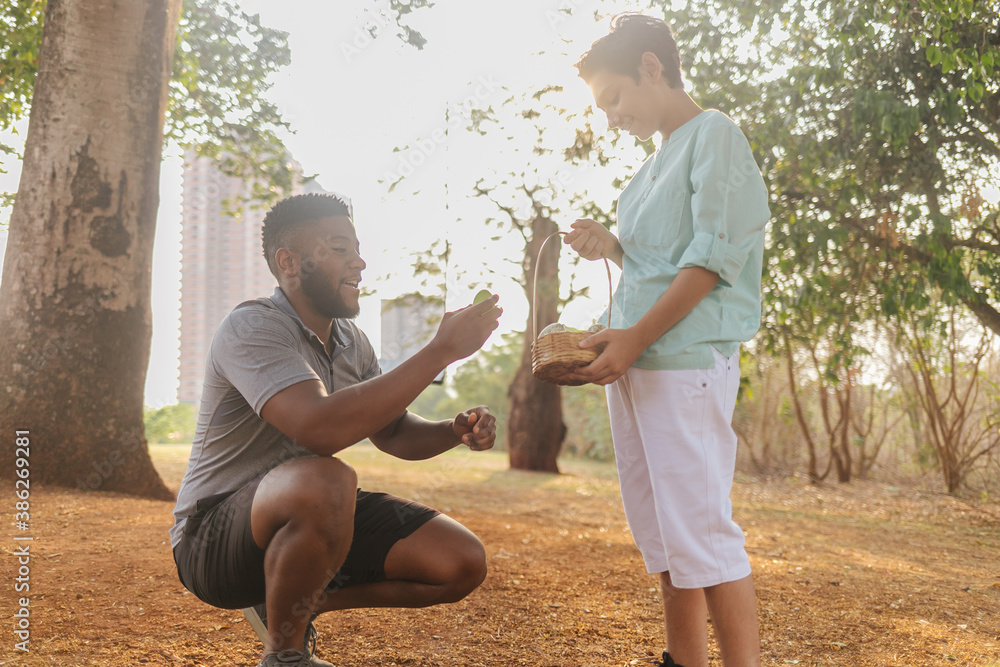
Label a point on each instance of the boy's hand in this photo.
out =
(592, 241)
(622, 348)
(476, 428)
(464, 331)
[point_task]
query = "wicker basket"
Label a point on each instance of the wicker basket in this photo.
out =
(556, 355)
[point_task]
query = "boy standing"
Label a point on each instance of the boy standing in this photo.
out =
(690, 245)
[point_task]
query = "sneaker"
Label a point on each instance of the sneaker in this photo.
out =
(257, 618)
(287, 658)
(667, 661)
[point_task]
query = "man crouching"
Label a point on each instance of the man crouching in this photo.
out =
(267, 518)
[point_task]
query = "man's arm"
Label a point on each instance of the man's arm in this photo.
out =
(414, 438)
(327, 423)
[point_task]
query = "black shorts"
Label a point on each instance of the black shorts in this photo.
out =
(218, 560)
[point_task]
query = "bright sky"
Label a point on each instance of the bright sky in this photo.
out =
(353, 99)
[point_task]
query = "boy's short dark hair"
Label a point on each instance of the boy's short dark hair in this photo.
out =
(620, 51)
(289, 215)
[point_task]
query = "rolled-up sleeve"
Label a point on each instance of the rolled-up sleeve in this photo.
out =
(713, 251)
(728, 205)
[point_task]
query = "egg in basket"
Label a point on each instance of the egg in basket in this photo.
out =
(556, 351)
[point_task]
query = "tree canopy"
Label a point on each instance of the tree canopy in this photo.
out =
(877, 125)
(218, 101)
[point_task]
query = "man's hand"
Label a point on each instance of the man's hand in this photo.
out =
(476, 428)
(592, 241)
(463, 332)
(622, 348)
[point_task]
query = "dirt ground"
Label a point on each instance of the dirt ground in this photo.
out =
(860, 575)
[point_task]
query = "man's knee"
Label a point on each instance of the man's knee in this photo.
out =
(313, 481)
(333, 471)
(468, 570)
(338, 477)
(324, 492)
(317, 492)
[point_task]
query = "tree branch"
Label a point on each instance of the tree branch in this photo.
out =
(987, 314)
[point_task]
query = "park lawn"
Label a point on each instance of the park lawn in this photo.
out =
(859, 575)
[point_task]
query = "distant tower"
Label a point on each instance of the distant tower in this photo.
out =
(222, 263)
(408, 323)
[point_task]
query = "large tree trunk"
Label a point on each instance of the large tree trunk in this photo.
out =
(75, 321)
(535, 430)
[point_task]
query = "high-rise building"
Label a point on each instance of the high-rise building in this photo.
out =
(408, 324)
(222, 263)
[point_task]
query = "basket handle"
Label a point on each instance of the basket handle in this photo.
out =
(534, 286)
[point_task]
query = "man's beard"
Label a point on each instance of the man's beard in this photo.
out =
(324, 299)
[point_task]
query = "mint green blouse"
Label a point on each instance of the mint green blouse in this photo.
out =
(698, 201)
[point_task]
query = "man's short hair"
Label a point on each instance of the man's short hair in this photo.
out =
(289, 215)
(620, 51)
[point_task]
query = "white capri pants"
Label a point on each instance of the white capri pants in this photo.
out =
(676, 454)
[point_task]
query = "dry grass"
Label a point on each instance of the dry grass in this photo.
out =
(861, 575)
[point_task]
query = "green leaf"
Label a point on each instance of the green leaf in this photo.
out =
(933, 54)
(949, 62)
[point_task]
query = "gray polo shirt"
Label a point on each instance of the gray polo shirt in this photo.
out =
(260, 348)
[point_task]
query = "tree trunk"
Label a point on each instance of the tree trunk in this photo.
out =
(75, 321)
(813, 465)
(842, 436)
(535, 430)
